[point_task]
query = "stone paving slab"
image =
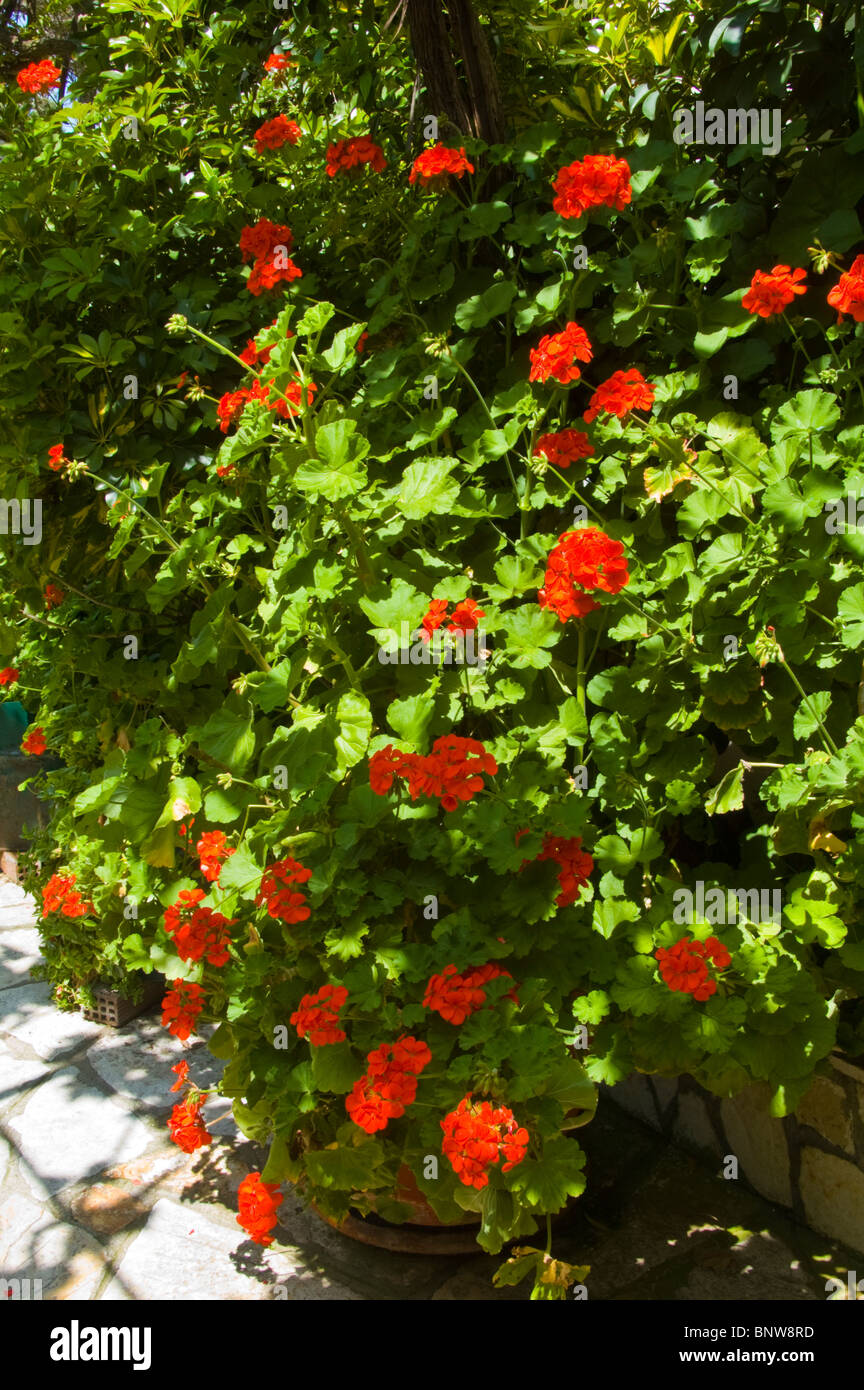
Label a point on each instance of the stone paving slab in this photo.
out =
(136, 1062)
(36, 1245)
(17, 908)
(27, 1013)
(67, 1130)
(19, 952)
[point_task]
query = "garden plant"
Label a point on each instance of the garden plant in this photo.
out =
(448, 608)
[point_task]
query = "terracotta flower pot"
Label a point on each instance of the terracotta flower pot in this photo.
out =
(422, 1233)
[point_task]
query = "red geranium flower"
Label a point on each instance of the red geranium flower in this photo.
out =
(575, 865)
(770, 292)
(258, 1203)
(34, 741)
(582, 560)
(53, 596)
(272, 135)
(182, 1071)
(451, 772)
(317, 1016)
(847, 296)
(556, 355)
(455, 997)
(275, 891)
(684, 966)
(345, 155)
(361, 342)
(434, 617)
(477, 1136)
(435, 166)
(180, 1007)
(211, 849)
(564, 448)
(277, 63)
(465, 616)
(56, 458)
(57, 896)
(595, 181)
(186, 1127)
(38, 77)
(621, 393)
(388, 1084)
(9, 675)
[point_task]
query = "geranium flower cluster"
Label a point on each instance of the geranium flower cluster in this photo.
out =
(272, 135)
(180, 1007)
(464, 618)
(317, 1016)
(276, 893)
(198, 932)
(598, 180)
(575, 864)
(33, 741)
(233, 403)
(564, 447)
(212, 850)
(186, 1127)
(621, 393)
(477, 1136)
(847, 296)
(267, 245)
(684, 966)
(346, 155)
(452, 771)
(277, 63)
(9, 675)
(582, 560)
(38, 77)
(257, 1204)
(58, 896)
(57, 458)
(53, 596)
(388, 1084)
(771, 292)
(556, 355)
(434, 166)
(455, 997)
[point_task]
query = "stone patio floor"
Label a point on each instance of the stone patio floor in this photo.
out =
(98, 1203)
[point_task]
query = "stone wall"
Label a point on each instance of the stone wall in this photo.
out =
(811, 1162)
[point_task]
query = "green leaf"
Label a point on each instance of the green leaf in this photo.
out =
(427, 487)
(411, 718)
(477, 311)
(228, 738)
(635, 990)
(335, 1068)
(316, 317)
(546, 1183)
(806, 412)
(354, 718)
(529, 631)
(348, 1170)
(850, 611)
(241, 873)
(728, 795)
(810, 712)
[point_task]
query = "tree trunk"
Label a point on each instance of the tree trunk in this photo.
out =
(472, 104)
